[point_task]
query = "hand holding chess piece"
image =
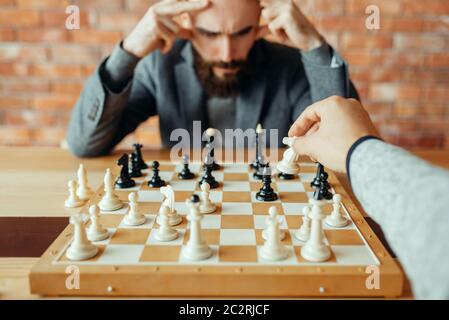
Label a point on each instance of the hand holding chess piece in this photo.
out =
(289, 166)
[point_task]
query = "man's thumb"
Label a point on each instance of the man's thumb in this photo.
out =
(303, 145)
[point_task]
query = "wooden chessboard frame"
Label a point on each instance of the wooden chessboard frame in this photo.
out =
(49, 279)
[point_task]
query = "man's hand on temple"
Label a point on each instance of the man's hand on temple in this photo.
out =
(326, 130)
(158, 30)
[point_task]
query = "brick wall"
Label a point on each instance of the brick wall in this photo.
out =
(401, 70)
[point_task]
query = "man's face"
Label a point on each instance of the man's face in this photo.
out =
(224, 33)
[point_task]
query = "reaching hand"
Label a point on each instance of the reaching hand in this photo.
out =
(327, 129)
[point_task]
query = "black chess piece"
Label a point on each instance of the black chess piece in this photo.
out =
(316, 181)
(186, 174)
(258, 174)
(156, 181)
(211, 154)
(322, 192)
(286, 176)
(134, 169)
(139, 159)
(194, 198)
(124, 180)
(266, 193)
(208, 177)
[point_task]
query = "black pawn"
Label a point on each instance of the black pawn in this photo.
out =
(139, 159)
(316, 181)
(194, 198)
(259, 172)
(156, 181)
(124, 180)
(209, 178)
(322, 192)
(286, 176)
(186, 174)
(134, 169)
(266, 193)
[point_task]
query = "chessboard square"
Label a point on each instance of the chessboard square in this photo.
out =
(149, 222)
(236, 177)
(293, 209)
(237, 222)
(242, 186)
(308, 187)
(296, 197)
(290, 260)
(237, 237)
(308, 169)
(230, 196)
(301, 260)
(160, 253)
(183, 185)
(211, 260)
(181, 208)
(150, 196)
(166, 167)
(149, 207)
(182, 196)
(290, 186)
(260, 221)
(152, 240)
(255, 200)
(264, 207)
(343, 237)
(307, 177)
(236, 208)
(216, 196)
(130, 236)
(211, 221)
(109, 220)
(237, 168)
(121, 254)
(293, 222)
(210, 236)
(240, 254)
(354, 255)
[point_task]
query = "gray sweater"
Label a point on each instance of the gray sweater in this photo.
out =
(409, 199)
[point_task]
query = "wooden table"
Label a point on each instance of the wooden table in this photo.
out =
(34, 184)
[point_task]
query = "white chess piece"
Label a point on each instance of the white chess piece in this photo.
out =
(315, 249)
(265, 232)
(134, 217)
(96, 232)
(80, 248)
(303, 233)
(196, 248)
(73, 201)
(84, 192)
(289, 163)
(273, 249)
(165, 232)
(174, 218)
(110, 201)
(335, 219)
(206, 205)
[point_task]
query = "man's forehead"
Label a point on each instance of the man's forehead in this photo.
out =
(228, 15)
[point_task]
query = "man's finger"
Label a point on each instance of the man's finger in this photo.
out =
(303, 124)
(176, 8)
(305, 146)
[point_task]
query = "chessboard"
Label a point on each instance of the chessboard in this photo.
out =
(131, 262)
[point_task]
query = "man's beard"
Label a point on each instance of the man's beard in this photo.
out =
(228, 86)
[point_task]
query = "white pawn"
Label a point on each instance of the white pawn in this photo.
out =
(165, 231)
(80, 248)
(303, 233)
(336, 220)
(110, 200)
(84, 192)
(73, 201)
(265, 232)
(134, 217)
(206, 205)
(315, 249)
(273, 249)
(96, 232)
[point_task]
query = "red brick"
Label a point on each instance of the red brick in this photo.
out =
(419, 7)
(74, 54)
(422, 42)
(399, 24)
(57, 19)
(13, 69)
(438, 60)
(23, 85)
(19, 52)
(139, 5)
(42, 4)
(101, 5)
(118, 21)
(95, 37)
(357, 41)
(13, 102)
(386, 7)
(48, 136)
(7, 34)
(19, 18)
(73, 87)
(15, 135)
(385, 92)
(42, 35)
(57, 70)
(54, 102)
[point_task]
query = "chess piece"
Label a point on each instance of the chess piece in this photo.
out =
(139, 159)
(206, 205)
(124, 181)
(259, 155)
(173, 217)
(80, 248)
(73, 201)
(156, 181)
(316, 181)
(84, 192)
(258, 174)
(165, 232)
(186, 174)
(211, 149)
(110, 201)
(134, 169)
(96, 232)
(322, 192)
(266, 193)
(335, 219)
(208, 177)
(134, 217)
(315, 249)
(288, 167)
(303, 233)
(273, 249)
(196, 248)
(265, 232)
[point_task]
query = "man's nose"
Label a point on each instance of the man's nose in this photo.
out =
(226, 50)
